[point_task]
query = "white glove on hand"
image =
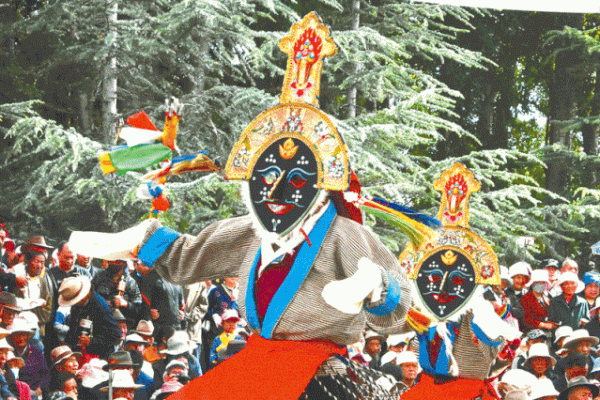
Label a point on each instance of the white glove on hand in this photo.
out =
(348, 294)
(109, 246)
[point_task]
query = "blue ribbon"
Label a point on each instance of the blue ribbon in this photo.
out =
(157, 245)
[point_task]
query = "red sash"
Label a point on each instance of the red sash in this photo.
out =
(454, 389)
(264, 369)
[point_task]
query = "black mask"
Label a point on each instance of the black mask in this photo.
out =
(283, 184)
(446, 281)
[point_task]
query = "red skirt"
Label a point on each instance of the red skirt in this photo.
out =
(263, 370)
(454, 389)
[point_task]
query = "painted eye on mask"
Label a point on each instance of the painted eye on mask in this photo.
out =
(434, 277)
(297, 180)
(270, 177)
(458, 280)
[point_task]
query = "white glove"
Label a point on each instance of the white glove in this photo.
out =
(348, 294)
(109, 246)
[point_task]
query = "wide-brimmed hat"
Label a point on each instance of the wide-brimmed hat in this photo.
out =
(561, 332)
(177, 344)
(21, 325)
(539, 350)
(371, 335)
(92, 373)
(536, 334)
(571, 277)
(596, 366)
(145, 328)
(540, 276)
(519, 268)
(9, 300)
(516, 394)
(229, 315)
(135, 338)
(578, 381)
(61, 353)
(120, 359)
(4, 345)
(578, 336)
(405, 357)
(173, 364)
(35, 241)
(73, 290)
(122, 380)
(395, 340)
(504, 272)
(18, 362)
(542, 388)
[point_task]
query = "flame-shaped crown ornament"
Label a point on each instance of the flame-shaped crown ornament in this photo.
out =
(298, 116)
(456, 185)
(306, 46)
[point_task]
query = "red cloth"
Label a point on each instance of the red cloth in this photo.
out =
(535, 312)
(454, 389)
(264, 369)
(24, 390)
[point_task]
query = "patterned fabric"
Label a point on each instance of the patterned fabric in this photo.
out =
(228, 248)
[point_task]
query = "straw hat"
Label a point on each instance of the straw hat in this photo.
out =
(73, 290)
(395, 340)
(21, 325)
(61, 353)
(35, 241)
(539, 350)
(122, 379)
(578, 336)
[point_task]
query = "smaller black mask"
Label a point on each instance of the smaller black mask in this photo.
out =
(446, 281)
(283, 184)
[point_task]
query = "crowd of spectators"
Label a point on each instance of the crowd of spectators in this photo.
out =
(69, 324)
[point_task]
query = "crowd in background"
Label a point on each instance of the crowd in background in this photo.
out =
(69, 323)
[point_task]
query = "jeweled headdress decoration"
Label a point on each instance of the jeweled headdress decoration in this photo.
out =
(455, 250)
(298, 114)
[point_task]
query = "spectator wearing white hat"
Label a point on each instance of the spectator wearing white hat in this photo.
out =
(396, 344)
(123, 385)
(543, 390)
(569, 265)
(560, 335)
(519, 273)
(35, 371)
(568, 309)
(539, 361)
(8, 385)
(178, 348)
(535, 303)
(407, 360)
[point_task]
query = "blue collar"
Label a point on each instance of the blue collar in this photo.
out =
(284, 295)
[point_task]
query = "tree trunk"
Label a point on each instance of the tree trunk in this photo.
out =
(352, 91)
(563, 107)
(109, 87)
(85, 118)
(591, 169)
